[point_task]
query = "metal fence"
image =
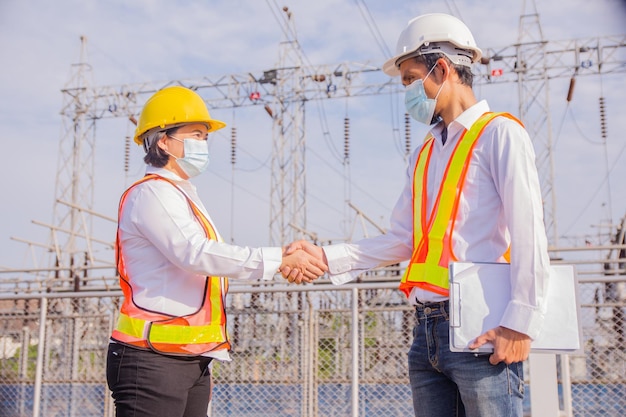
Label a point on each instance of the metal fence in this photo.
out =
(314, 350)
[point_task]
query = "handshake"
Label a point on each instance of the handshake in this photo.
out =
(303, 262)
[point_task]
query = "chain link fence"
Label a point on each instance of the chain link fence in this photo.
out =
(314, 350)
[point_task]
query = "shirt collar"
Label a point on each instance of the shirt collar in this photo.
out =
(469, 116)
(463, 121)
(165, 173)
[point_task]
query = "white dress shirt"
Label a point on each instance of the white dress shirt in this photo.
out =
(167, 254)
(500, 204)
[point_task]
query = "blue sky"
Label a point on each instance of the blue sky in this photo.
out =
(139, 41)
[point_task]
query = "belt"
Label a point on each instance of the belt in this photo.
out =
(439, 307)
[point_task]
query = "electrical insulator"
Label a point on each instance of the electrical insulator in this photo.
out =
(233, 145)
(127, 154)
(570, 92)
(407, 133)
(346, 139)
(602, 118)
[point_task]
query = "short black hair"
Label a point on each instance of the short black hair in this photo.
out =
(155, 156)
(465, 73)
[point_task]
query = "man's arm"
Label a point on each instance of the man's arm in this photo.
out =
(517, 182)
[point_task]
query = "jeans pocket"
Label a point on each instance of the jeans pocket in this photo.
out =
(115, 356)
(516, 379)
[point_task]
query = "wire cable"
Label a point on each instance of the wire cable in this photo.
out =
(395, 127)
(228, 181)
(381, 204)
(454, 10)
(326, 132)
(373, 28)
(262, 163)
(283, 20)
(580, 131)
(593, 196)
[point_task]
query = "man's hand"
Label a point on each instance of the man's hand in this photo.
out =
(309, 248)
(316, 257)
(509, 346)
(299, 266)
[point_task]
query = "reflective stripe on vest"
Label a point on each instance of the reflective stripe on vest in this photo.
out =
(432, 235)
(190, 335)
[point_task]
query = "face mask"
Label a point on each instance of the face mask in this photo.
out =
(418, 105)
(196, 159)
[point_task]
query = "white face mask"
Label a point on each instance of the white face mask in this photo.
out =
(417, 103)
(196, 156)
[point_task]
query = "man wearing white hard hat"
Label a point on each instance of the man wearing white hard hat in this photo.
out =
(471, 194)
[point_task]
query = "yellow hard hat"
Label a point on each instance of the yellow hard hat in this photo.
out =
(172, 106)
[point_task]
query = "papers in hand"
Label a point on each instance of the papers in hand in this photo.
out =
(480, 292)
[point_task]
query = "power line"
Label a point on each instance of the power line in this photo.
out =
(373, 27)
(230, 182)
(454, 10)
(593, 196)
(374, 199)
(326, 132)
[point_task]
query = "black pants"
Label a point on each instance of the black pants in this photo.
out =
(147, 384)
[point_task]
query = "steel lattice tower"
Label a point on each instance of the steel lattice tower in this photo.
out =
(71, 234)
(534, 110)
(288, 192)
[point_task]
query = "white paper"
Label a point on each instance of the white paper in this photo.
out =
(480, 292)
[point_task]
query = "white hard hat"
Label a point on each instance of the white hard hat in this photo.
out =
(431, 33)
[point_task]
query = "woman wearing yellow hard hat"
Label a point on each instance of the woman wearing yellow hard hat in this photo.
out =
(173, 266)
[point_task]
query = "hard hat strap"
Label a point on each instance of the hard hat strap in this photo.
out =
(457, 55)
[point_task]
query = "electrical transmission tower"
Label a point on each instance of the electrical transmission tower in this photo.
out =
(71, 241)
(288, 193)
(534, 109)
(531, 63)
(284, 91)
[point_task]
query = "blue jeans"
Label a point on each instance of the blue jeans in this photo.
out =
(455, 384)
(147, 384)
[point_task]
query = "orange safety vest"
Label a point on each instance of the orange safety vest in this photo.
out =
(432, 235)
(189, 335)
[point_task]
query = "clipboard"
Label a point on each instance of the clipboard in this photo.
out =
(479, 294)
